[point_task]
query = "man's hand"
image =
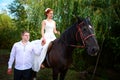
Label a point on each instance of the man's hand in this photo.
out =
(9, 71)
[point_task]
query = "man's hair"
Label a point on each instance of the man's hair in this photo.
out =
(23, 32)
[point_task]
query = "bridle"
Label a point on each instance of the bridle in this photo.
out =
(79, 31)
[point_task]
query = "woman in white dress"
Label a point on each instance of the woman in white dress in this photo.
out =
(48, 29)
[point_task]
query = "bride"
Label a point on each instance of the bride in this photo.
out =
(48, 29)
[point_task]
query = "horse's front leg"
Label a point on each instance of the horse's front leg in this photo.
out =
(63, 74)
(55, 73)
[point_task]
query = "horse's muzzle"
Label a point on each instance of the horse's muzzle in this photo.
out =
(93, 51)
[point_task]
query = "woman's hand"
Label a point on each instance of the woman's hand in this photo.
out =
(58, 32)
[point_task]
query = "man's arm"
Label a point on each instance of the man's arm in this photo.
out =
(11, 60)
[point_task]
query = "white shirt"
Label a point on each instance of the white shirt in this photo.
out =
(23, 55)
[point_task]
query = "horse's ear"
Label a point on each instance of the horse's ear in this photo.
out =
(88, 18)
(79, 19)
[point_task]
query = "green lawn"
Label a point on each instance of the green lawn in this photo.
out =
(46, 74)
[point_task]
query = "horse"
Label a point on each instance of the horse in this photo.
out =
(59, 54)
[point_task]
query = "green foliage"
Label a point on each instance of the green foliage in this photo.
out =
(104, 15)
(78, 61)
(17, 10)
(7, 31)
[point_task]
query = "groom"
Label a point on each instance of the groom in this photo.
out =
(22, 54)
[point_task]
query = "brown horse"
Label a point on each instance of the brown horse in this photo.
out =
(59, 56)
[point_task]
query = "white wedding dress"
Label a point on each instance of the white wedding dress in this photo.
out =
(49, 36)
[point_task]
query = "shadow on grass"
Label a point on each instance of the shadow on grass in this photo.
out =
(46, 74)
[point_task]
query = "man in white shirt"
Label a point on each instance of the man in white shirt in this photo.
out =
(22, 53)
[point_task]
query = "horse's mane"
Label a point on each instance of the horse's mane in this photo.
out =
(68, 35)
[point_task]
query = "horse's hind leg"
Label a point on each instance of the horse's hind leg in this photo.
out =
(55, 74)
(63, 73)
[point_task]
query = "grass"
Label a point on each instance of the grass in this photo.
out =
(46, 74)
(4, 56)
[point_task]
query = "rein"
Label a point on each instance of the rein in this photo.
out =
(82, 37)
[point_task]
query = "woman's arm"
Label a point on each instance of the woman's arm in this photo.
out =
(42, 29)
(55, 31)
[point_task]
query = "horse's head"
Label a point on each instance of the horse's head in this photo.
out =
(85, 32)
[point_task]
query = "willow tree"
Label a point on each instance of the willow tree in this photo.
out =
(104, 15)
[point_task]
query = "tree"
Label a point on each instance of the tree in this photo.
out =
(7, 29)
(104, 15)
(17, 10)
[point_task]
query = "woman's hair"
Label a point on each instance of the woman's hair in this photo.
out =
(47, 11)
